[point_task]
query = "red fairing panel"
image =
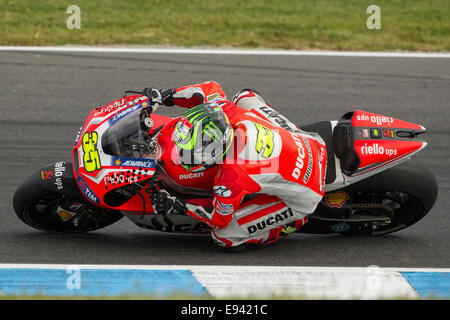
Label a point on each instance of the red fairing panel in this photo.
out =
(372, 152)
(97, 172)
(367, 119)
(379, 140)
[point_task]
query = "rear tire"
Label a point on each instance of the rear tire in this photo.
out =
(410, 189)
(37, 207)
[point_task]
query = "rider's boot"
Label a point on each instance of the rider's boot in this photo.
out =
(273, 235)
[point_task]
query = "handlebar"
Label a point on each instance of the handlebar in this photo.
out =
(146, 121)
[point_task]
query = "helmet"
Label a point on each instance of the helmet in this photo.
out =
(202, 137)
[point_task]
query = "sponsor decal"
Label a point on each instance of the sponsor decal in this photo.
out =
(91, 157)
(56, 174)
(336, 199)
(310, 163)
(300, 157)
(121, 178)
(79, 133)
(190, 175)
(264, 141)
(65, 215)
(134, 162)
(365, 133)
(376, 149)
(124, 113)
(77, 206)
(388, 133)
(340, 227)
(59, 171)
(138, 163)
(223, 208)
(212, 96)
(277, 118)
(375, 133)
(270, 220)
(46, 175)
(299, 164)
(322, 154)
(222, 191)
(87, 191)
(110, 107)
(197, 168)
(375, 119)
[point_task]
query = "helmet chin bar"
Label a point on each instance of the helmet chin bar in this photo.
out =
(196, 160)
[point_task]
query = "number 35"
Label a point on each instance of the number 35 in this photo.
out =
(91, 157)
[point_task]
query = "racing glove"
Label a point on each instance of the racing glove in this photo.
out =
(163, 97)
(154, 95)
(164, 204)
(294, 226)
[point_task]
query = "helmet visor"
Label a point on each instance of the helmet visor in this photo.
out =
(203, 142)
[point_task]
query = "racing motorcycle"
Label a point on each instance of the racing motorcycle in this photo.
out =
(373, 183)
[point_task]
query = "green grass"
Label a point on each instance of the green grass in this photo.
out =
(419, 25)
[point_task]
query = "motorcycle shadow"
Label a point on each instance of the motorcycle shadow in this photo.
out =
(115, 246)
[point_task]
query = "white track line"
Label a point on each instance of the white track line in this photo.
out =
(263, 52)
(204, 267)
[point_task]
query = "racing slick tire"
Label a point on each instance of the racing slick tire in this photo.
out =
(407, 191)
(48, 210)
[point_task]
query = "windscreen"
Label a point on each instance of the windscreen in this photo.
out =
(125, 138)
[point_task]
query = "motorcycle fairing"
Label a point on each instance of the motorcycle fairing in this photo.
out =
(98, 173)
(366, 143)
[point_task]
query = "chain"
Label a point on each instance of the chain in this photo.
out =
(373, 206)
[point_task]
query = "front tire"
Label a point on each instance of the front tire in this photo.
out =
(40, 208)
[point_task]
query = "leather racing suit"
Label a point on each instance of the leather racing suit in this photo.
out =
(273, 176)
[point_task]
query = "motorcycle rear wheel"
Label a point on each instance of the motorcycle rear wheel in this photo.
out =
(408, 191)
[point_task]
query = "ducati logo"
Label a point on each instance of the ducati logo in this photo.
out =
(222, 191)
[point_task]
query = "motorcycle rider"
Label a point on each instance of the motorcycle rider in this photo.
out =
(270, 176)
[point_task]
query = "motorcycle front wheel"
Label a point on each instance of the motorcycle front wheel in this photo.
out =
(56, 212)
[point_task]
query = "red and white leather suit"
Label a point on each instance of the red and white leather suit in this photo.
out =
(273, 175)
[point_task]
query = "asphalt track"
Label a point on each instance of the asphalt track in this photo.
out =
(44, 97)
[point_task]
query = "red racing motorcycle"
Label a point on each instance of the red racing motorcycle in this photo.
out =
(373, 183)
